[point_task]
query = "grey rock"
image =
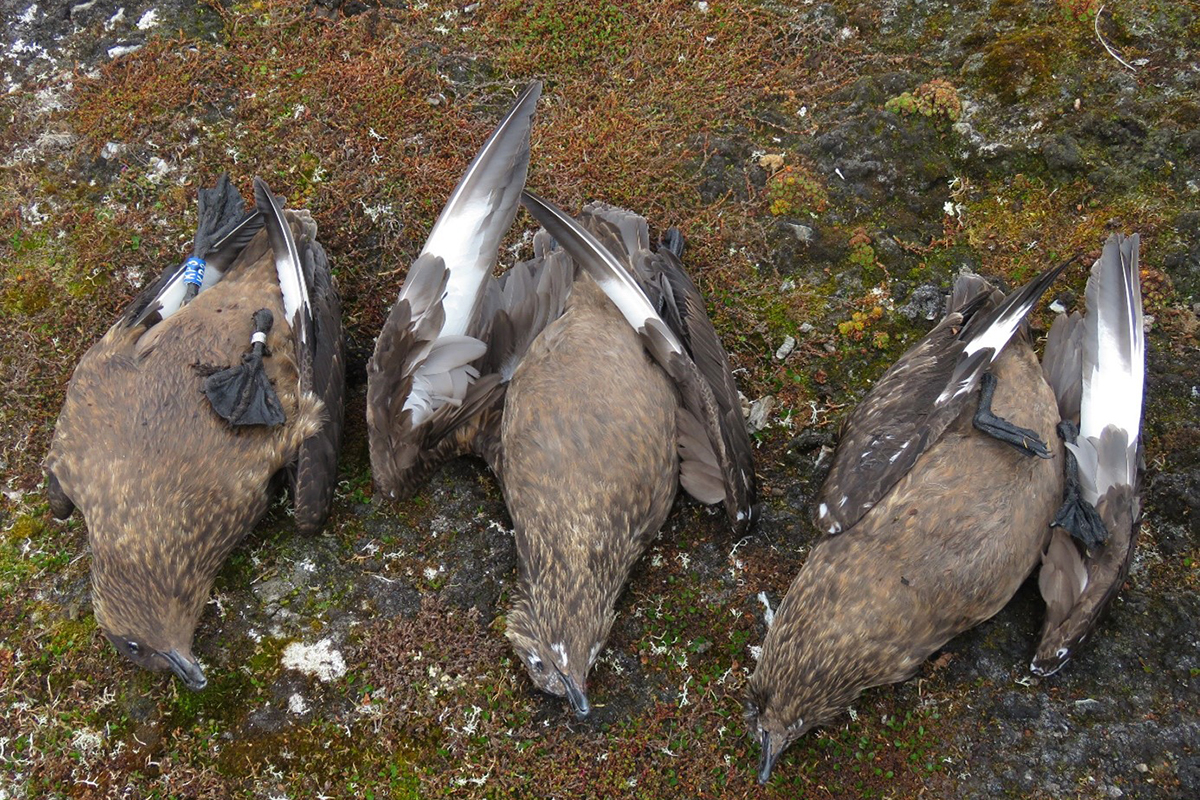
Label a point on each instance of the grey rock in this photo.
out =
(1062, 153)
(927, 302)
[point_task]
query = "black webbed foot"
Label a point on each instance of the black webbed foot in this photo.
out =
(1077, 516)
(222, 209)
(1024, 439)
(243, 395)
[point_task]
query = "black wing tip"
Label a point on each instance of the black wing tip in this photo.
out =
(271, 206)
(1034, 289)
(1050, 274)
(1023, 297)
(264, 198)
(535, 202)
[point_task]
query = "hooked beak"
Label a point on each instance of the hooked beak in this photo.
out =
(576, 697)
(187, 669)
(770, 754)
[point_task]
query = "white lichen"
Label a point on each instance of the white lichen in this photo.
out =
(88, 743)
(158, 170)
(318, 660)
(297, 705)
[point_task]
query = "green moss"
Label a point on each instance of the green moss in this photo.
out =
(1019, 63)
(862, 255)
(70, 635)
(25, 293)
(566, 36)
(28, 548)
(26, 526)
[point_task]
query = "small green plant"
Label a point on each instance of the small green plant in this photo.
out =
(856, 327)
(870, 307)
(795, 190)
(1078, 10)
(862, 254)
(936, 99)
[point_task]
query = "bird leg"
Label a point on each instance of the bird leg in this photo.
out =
(243, 395)
(1025, 440)
(193, 278)
(1077, 516)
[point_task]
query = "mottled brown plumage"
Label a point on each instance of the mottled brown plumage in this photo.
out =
(597, 421)
(584, 406)
(167, 487)
(943, 549)
(590, 472)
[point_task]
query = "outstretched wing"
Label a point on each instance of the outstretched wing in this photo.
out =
(1108, 347)
(424, 390)
(714, 447)
(914, 402)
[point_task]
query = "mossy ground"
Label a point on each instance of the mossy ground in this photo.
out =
(668, 108)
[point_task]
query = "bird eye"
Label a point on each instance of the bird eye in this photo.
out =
(134, 648)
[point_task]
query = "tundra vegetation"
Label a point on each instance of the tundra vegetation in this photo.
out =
(832, 165)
